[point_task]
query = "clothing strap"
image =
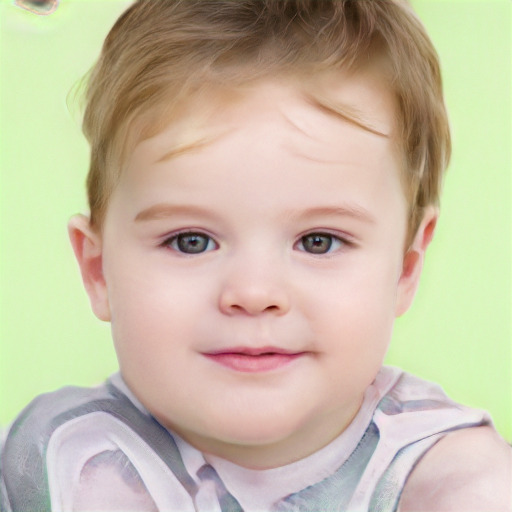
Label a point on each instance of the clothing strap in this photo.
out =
(227, 502)
(24, 476)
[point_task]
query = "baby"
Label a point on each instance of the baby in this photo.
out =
(263, 187)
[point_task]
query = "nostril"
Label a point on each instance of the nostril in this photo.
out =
(253, 300)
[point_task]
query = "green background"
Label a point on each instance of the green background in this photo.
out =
(458, 332)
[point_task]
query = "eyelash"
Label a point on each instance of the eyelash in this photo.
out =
(206, 243)
(173, 242)
(334, 243)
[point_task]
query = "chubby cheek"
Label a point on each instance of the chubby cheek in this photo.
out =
(357, 338)
(143, 319)
(149, 319)
(153, 361)
(356, 327)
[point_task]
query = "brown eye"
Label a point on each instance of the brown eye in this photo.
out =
(191, 243)
(319, 243)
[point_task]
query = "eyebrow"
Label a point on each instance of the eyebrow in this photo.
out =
(349, 210)
(166, 210)
(346, 113)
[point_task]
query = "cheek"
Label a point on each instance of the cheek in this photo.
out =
(145, 314)
(143, 289)
(153, 339)
(357, 306)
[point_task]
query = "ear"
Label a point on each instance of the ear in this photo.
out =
(87, 246)
(413, 261)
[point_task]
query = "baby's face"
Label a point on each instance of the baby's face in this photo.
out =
(252, 282)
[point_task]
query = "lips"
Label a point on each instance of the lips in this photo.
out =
(254, 360)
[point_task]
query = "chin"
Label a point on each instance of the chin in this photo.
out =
(257, 430)
(244, 431)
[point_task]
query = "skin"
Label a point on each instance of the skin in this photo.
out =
(453, 478)
(266, 183)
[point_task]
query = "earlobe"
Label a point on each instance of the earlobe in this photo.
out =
(87, 246)
(414, 257)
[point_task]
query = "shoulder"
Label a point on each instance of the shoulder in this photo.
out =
(36, 423)
(468, 470)
(26, 457)
(55, 403)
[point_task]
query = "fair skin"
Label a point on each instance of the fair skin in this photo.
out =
(252, 281)
(469, 470)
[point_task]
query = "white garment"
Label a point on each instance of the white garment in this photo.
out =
(80, 450)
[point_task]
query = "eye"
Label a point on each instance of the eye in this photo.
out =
(319, 243)
(191, 243)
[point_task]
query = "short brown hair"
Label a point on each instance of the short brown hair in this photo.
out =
(161, 50)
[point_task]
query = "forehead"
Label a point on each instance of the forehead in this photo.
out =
(321, 146)
(362, 99)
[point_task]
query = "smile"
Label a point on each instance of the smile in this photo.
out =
(250, 360)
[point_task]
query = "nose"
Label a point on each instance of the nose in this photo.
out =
(250, 292)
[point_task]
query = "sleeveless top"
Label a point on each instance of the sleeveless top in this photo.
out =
(103, 439)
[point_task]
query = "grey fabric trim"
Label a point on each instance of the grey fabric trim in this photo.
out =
(5, 506)
(334, 492)
(388, 490)
(24, 482)
(24, 469)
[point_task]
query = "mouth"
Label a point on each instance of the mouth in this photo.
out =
(254, 360)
